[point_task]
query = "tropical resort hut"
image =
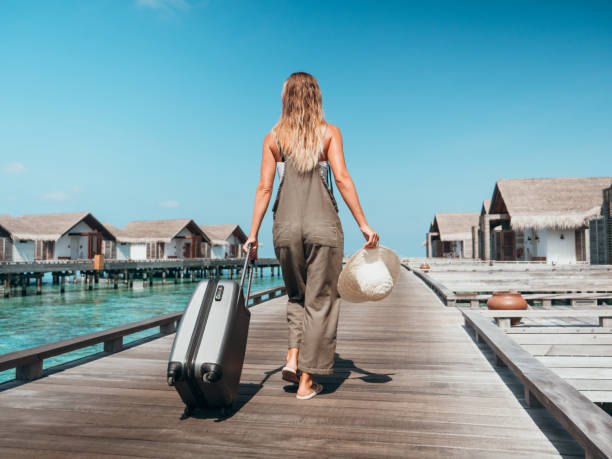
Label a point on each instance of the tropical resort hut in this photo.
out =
(65, 236)
(225, 240)
(600, 232)
(543, 219)
(450, 235)
(161, 239)
(110, 247)
(5, 240)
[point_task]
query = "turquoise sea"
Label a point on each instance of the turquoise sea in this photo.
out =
(34, 320)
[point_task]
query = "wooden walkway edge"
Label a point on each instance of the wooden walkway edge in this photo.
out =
(409, 382)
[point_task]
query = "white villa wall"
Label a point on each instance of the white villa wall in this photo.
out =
(123, 251)
(218, 251)
(23, 250)
(561, 251)
(137, 251)
(74, 247)
(551, 246)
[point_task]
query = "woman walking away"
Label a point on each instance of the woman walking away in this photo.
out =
(307, 233)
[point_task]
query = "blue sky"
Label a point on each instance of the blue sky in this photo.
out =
(157, 108)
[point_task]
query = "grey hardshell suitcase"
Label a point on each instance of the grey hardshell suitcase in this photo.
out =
(208, 351)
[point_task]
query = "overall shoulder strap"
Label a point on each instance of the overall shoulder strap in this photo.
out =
(278, 145)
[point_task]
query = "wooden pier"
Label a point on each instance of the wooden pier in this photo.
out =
(410, 381)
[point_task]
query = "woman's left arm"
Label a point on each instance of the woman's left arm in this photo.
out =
(262, 194)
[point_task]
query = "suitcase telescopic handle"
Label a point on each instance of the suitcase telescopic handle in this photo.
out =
(247, 263)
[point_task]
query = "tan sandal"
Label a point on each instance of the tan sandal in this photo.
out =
(317, 389)
(291, 375)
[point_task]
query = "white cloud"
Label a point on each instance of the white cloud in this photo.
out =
(77, 189)
(167, 5)
(56, 196)
(169, 204)
(14, 168)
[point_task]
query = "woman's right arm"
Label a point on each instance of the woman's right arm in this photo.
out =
(335, 155)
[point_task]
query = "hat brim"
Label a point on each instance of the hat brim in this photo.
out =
(349, 288)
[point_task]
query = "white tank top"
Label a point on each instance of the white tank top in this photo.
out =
(323, 166)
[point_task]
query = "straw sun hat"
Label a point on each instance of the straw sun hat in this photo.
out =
(369, 275)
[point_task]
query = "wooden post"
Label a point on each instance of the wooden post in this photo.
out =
(89, 281)
(150, 278)
(176, 274)
(474, 304)
(115, 280)
(192, 275)
(24, 285)
(39, 284)
(546, 303)
(126, 277)
(428, 245)
(29, 371)
(530, 399)
(62, 284)
(486, 238)
(166, 329)
(605, 321)
(163, 277)
(114, 345)
(7, 288)
(96, 277)
(503, 322)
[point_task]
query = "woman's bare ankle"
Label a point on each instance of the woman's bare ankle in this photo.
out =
(306, 383)
(292, 357)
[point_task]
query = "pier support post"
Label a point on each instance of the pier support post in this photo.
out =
(126, 277)
(115, 280)
(166, 329)
(24, 285)
(62, 284)
(176, 274)
(7, 288)
(96, 277)
(89, 282)
(192, 275)
(163, 277)
(39, 284)
(114, 345)
(29, 371)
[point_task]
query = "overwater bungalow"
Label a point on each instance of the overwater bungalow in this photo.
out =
(450, 235)
(225, 240)
(5, 239)
(542, 219)
(600, 232)
(160, 239)
(65, 236)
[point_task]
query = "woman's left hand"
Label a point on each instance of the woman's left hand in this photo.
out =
(245, 248)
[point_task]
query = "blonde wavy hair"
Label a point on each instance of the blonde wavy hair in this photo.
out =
(300, 129)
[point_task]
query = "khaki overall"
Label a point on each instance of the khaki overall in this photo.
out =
(309, 244)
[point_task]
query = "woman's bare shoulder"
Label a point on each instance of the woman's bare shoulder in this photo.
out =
(332, 130)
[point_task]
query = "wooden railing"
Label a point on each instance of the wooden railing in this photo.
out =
(590, 426)
(28, 363)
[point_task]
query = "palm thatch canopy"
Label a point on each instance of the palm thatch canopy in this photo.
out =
(143, 231)
(51, 227)
(454, 226)
(4, 232)
(112, 229)
(559, 203)
(219, 234)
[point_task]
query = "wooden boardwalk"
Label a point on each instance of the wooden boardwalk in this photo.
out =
(409, 382)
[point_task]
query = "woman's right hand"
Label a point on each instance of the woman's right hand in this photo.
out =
(245, 248)
(370, 236)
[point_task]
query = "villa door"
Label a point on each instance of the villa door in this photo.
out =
(94, 244)
(187, 250)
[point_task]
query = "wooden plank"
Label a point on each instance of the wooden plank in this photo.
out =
(588, 424)
(546, 313)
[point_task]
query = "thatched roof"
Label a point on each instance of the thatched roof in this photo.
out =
(561, 203)
(142, 231)
(4, 231)
(455, 226)
(219, 234)
(50, 227)
(486, 205)
(112, 229)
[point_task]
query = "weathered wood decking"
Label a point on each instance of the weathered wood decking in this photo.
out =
(409, 382)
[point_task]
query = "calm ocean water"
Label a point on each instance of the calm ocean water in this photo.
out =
(34, 320)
